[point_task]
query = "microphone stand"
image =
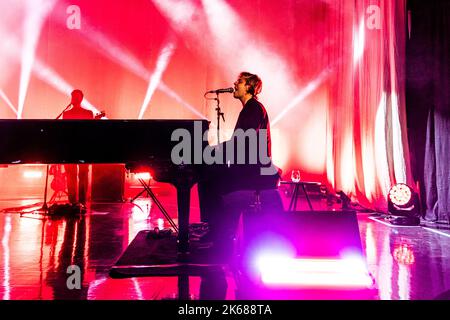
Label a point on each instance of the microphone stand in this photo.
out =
(44, 208)
(67, 107)
(219, 115)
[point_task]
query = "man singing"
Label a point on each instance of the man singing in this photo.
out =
(218, 180)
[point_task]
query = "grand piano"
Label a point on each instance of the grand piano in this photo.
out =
(136, 143)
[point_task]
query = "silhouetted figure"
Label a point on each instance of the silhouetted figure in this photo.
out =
(77, 174)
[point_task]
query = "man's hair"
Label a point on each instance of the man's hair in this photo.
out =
(253, 81)
(77, 91)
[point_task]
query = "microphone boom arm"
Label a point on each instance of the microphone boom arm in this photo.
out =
(220, 114)
(67, 107)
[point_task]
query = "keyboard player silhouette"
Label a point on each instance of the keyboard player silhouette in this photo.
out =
(77, 174)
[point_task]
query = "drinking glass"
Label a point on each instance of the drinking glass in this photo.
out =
(295, 175)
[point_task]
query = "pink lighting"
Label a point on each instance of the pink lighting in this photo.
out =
(282, 271)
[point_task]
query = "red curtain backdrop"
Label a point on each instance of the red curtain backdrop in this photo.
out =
(367, 142)
(333, 73)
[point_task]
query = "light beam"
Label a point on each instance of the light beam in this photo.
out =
(115, 52)
(8, 102)
(36, 14)
(161, 65)
(45, 73)
(310, 88)
(234, 43)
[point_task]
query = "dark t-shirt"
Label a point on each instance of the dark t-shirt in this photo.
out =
(78, 113)
(235, 176)
(238, 176)
(254, 116)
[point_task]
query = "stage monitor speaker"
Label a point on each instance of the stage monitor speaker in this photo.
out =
(108, 181)
(312, 234)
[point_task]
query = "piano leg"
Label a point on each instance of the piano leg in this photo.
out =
(183, 198)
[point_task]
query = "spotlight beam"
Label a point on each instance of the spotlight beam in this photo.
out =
(49, 76)
(310, 88)
(36, 14)
(229, 32)
(180, 13)
(45, 73)
(8, 102)
(116, 53)
(161, 65)
(164, 88)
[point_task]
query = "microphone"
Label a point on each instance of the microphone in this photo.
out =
(230, 90)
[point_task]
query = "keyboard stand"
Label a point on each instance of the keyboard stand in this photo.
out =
(295, 193)
(156, 201)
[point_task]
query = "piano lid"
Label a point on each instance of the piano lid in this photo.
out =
(93, 141)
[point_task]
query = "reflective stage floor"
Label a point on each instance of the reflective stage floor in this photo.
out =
(406, 262)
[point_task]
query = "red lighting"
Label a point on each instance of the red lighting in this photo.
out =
(166, 52)
(143, 176)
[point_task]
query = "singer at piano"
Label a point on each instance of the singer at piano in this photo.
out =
(77, 174)
(219, 180)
